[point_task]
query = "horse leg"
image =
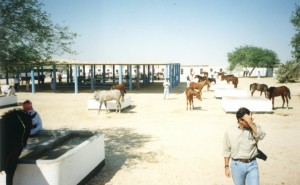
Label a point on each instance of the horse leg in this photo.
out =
(12, 165)
(273, 103)
(105, 103)
(187, 103)
(99, 107)
(10, 172)
(118, 109)
(287, 100)
(119, 106)
(283, 100)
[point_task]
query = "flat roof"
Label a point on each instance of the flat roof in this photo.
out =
(141, 62)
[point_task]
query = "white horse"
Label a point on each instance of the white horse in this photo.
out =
(8, 90)
(108, 95)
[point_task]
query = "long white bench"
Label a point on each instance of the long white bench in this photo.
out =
(221, 93)
(8, 100)
(221, 85)
(111, 105)
(254, 104)
(72, 167)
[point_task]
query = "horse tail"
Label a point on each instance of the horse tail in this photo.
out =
(289, 92)
(250, 86)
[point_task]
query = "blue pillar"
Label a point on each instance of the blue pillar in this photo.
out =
(129, 71)
(92, 77)
(103, 73)
(138, 76)
(114, 73)
(32, 81)
(166, 72)
(171, 73)
(53, 81)
(148, 75)
(120, 74)
(152, 73)
(76, 78)
(143, 76)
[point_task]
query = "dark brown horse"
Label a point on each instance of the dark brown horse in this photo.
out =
(15, 129)
(282, 91)
(230, 78)
(200, 78)
(190, 93)
(199, 86)
(258, 87)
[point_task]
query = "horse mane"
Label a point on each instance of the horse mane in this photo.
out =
(271, 90)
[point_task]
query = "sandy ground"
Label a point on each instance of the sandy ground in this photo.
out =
(159, 142)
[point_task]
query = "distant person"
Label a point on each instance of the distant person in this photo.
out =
(37, 124)
(166, 85)
(17, 84)
(52, 84)
(59, 77)
(188, 81)
(258, 75)
(240, 145)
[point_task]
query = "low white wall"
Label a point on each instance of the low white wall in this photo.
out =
(68, 169)
(254, 104)
(8, 100)
(221, 93)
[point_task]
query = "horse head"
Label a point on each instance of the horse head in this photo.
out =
(207, 82)
(198, 95)
(269, 92)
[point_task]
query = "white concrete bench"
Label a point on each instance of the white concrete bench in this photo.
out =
(8, 100)
(70, 168)
(254, 104)
(221, 93)
(111, 105)
(221, 86)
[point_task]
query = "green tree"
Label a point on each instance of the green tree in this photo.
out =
(28, 37)
(295, 20)
(288, 72)
(251, 56)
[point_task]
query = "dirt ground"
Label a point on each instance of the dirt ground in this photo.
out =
(159, 142)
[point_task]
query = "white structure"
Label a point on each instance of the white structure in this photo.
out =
(8, 100)
(255, 104)
(68, 169)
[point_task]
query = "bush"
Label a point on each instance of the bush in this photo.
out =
(288, 72)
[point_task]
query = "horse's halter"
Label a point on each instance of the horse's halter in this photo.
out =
(24, 129)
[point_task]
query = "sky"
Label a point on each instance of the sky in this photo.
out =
(190, 32)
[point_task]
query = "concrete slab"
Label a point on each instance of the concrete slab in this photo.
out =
(8, 100)
(221, 85)
(221, 93)
(254, 104)
(111, 105)
(72, 166)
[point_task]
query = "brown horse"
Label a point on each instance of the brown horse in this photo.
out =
(258, 87)
(190, 93)
(200, 78)
(122, 89)
(199, 86)
(282, 91)
(230, 78)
